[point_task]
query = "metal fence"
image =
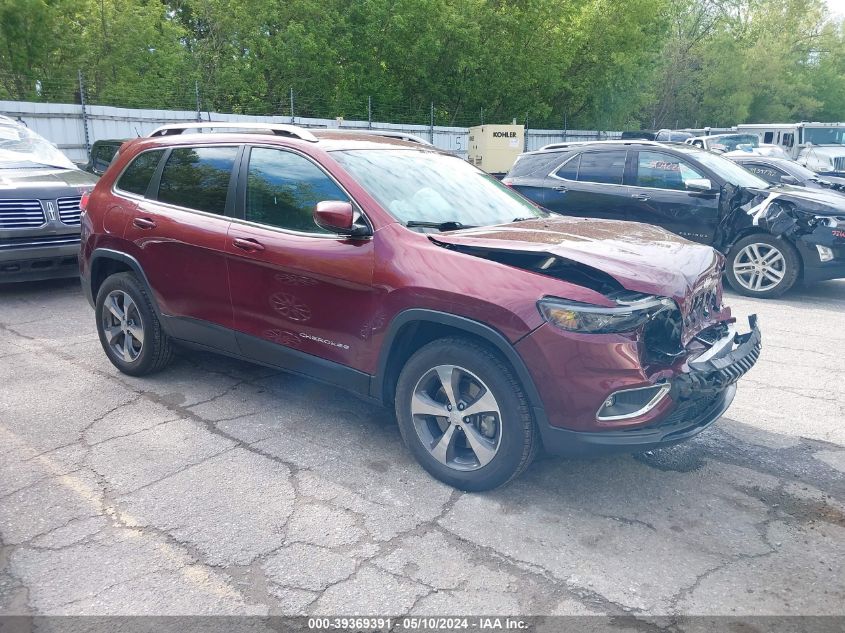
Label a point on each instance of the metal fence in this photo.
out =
(74, 127)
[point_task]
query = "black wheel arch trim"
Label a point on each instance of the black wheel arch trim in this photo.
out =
(494, 337)
(134, 265)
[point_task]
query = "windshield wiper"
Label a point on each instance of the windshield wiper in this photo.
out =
(450, 225)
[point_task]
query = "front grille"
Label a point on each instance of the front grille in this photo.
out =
(21, 214)
(687, 411)
(35, 242)
(839, 163)
(69, 210)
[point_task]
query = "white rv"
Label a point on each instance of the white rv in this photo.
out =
(817, 146)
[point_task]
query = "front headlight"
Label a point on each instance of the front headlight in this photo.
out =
(828, 221)
(583, 317)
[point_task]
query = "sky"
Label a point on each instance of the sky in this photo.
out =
(837, 7)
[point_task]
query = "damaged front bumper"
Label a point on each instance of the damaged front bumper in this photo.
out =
(700, 396)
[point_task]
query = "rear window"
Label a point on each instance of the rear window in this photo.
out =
(198, 178)
(137, 176)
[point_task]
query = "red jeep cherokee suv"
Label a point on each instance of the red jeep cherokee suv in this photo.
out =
(407, 276)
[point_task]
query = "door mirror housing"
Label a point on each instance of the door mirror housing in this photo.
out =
(786, 179)
(699, 184)
(338, 217)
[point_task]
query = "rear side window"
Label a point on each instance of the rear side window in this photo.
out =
(535, 164)
(137, 176)
(569, 169)
(602, 167)
(283, 188)
(198, 178)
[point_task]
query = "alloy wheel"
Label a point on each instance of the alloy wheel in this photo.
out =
(123, 326)
(759, 267)
(456, 417)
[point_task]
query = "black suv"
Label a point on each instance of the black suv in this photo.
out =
(773, 235)
(39, 206)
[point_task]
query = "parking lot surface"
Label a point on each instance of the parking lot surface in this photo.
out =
(219, 487)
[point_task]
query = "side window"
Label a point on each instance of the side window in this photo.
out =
(103, 156)
(603, 167)
(663, 171)
(198, 178)
(569, 169)
(787, 140)
(137, 176)
(768, 136)
(283, 188)
(765, 172)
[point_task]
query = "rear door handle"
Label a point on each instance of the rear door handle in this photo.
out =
(640, 196)
(143, 223)
(247, 244)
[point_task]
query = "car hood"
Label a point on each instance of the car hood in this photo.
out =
(44, 183)
(831, 151)
(641, 257)
(816, 201)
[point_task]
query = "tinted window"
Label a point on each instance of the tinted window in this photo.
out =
(569, 169)
(198, 177)
(535, 164)
(103, 155)
(283, 188)
(769, 174)
(663, 171)
(604, 167)
(137, 176)
(768, 136)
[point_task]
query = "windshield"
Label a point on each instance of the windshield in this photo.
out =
(418, 186)
(20, 147)
(731, 142)
(825, 135)
(725, 169)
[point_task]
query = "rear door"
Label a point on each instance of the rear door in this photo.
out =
(300, 294)
(590, 184)
(179, 229)
(660, 195)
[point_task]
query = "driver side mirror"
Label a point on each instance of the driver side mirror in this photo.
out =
(786, 179)
(338, 217)
(699, 184)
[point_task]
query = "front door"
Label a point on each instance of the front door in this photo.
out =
(661, 197)
(302, 297)
(180, 229)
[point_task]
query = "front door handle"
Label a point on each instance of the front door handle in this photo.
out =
(143, 223)
(561, 188)
(640, 196)
(247, 244)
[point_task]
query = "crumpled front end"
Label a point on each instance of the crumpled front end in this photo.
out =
(813, 221)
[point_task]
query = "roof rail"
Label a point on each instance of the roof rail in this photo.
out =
(279, 129)
(402, 136)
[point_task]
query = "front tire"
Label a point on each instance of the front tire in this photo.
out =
(763, 266)
(129, 330)
(464, 415)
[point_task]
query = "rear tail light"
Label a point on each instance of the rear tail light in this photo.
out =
(83, 202)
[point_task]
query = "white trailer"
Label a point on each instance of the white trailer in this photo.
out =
(817, 146)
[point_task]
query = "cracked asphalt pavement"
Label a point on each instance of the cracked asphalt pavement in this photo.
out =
(219, 487)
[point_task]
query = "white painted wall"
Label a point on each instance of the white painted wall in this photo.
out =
(62, 124)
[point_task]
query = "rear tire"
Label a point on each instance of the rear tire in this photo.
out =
(129, 330)
(763, 266)
(464, 415)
